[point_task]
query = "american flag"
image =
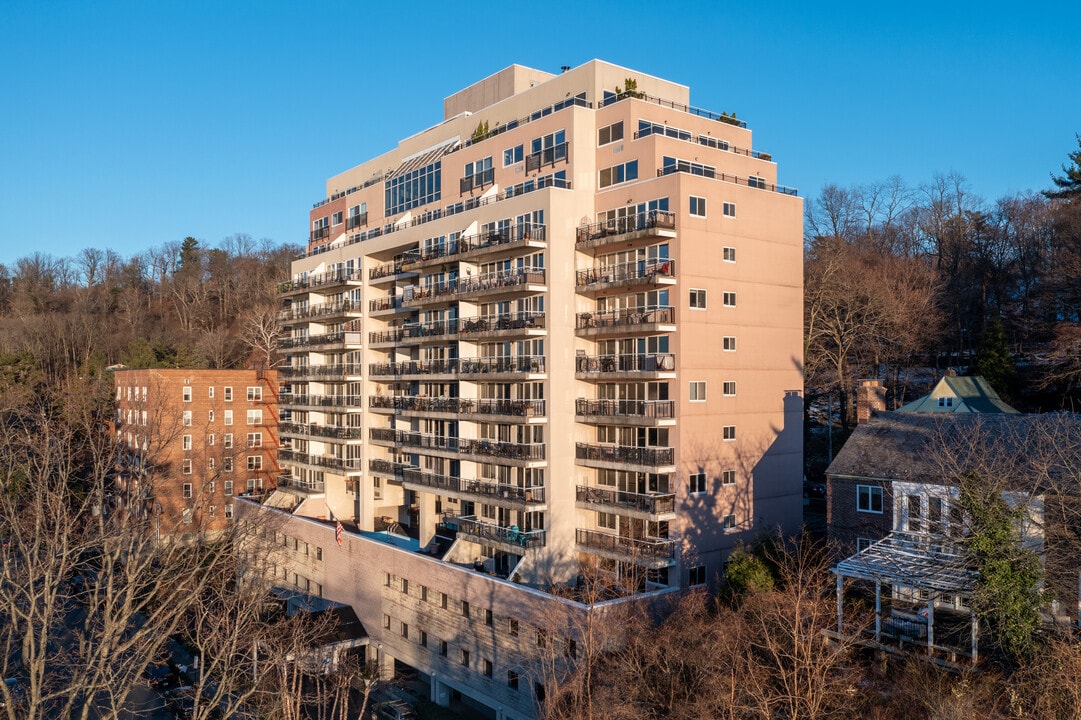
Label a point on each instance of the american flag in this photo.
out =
(338, 532)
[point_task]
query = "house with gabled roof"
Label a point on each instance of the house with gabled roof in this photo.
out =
(959, 394)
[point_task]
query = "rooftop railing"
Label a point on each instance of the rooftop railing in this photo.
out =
(749, 181)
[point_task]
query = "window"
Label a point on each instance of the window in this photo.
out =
(413, 188)
(423, 639)
(211, 463)
(318, 553)
(405, 586)
(512, 679)
(405, 630)
(386, 621)
(187, 516)
(606, 520)
(698, 299)
(210, 416)
(610, 133)
(698, 390)
(488, 618)
(255, 417)
(443, 600)
(619, 173)
(255, 440)
(228, 417)
(187, 418)
(210, 440)
(336, 218)
(698, 206)
(186, 467)
(915, 513)
(212, 510)
(487, 664)
(513, 155)
(228, 394)
(227, 464)
(255, 394)
(729, 299)
(187, 491)
(186, 442)
(729, 210)
(227, 439)
(228, 512)
(697, 575)
(729, 522)
(465, 657)
(570, 648)
(443, 648)
(542, 638)
(728, 477)
(728, 388)
(756, 182)
(228, 487)
(869, 498)
(424, 593)
(863, 543)
(210, 392)
(728, 254)
(728, 432)
(465, 608)
(187, 393)
(255, 462)
(945, 402)
(697, 483)
(512, 626)
(728, 344)
(538, 691)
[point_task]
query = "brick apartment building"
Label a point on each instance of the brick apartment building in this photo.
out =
(558, 334)
(191, 441)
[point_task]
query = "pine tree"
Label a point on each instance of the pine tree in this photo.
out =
(1069, 185)
(994, 362)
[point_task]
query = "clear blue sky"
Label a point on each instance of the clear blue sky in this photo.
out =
(125, 125)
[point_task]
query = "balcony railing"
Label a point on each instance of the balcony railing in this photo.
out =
(354, 401)
(320, 234)
(633, 455)
(415, 403)
(660, 409)
(337, 370)
(385, 303)
(463, 446)
(330, 277)
(547, 156)
(655, 504)
(352, 338)
(468, 243)
(292, 483)
(525, 320)
(487, 488)
(683, 166)
(514, 364)
(386, 269)
(477, 181)
(489, 531)
(652, 220)
(645, 548)
(387, 467)
(326, 431)
(333, 463)
(630, 316)
(356, 221)
(414, 331)
(319, 310)
(663, 362)
(645, 270)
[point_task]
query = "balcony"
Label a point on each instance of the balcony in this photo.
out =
(341, 338)
(509, 282)
(319, 234)
(484, 533)
(384, 305)
(547, 156)
(628, 321)
(643, 226)
(648, 552)
(466, 367)
(485, 489)
(458, 446)
(519, 323)
(387, 468)
(457, 406)
(341, 308)
(640, 504)
(655, 271)
(336, 371)
(471, 246)
(321, 431)
(616, 367)
(413, 333)
(330, 278)
(301, 487)
(344, 465)
(356, 221)
(633, 412)
(389, 271)
(348, 402)
(476, 181)
(618, 457)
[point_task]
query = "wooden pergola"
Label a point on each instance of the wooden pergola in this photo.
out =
(932, 564)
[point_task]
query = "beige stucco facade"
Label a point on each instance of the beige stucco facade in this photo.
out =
(557, 335)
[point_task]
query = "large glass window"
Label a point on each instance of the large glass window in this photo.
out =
(414, 188)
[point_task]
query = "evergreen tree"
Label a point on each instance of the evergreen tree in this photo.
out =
(1069, 185)
(994, 362)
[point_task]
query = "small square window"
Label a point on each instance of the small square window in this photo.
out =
(606, 520)
(729, 210)
(729, 522)
(945, 402)
(698, 299)
(697, 483)
(698, 206)
(697, 575)
(255, 440)
(698, 390)
(729, 254)
(729, 299)
(728, 477)
(728, 388)
(728, 432)
(255, 417)
(728, 344)
(863, 543)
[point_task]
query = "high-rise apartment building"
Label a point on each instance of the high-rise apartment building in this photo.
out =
(555, 337)
(191, 441)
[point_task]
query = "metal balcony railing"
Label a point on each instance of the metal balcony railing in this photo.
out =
(479, 241)
(352, 338)
(660, 409)
(645, 548)
(663, 362)
(651, 456)
(290, 482)
(413, 331)
(525, 320)
(326, 431)
(476, 529)
(387, 467)
(384, 303)
(644, 270)
(330, 277)
(336, 370)
(415, 403)
(631, 316)
(333, 463)
(513, 364)
(319, 310)
(487, 488)
(356, 221)
(652, 220)
(353, 401)
(655, 504)
(463, 446)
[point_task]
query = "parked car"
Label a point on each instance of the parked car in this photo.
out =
(393, 710)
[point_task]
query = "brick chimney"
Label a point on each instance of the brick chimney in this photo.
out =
(870, 399)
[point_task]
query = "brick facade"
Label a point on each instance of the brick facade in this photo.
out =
(846, 523)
